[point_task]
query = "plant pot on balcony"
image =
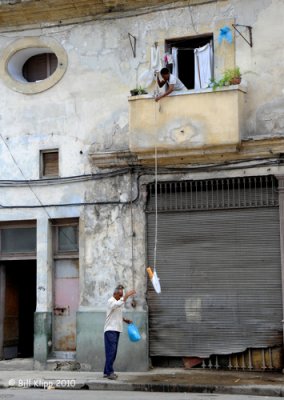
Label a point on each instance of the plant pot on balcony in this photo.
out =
(235, 81)
(134, 92)
(138, 91)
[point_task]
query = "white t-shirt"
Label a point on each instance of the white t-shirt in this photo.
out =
(114, 318)
(178, 85)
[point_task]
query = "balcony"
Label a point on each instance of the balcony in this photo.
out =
(186, 123)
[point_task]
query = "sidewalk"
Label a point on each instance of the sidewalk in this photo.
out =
(19, 373)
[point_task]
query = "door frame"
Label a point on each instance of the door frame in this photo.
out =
(2, 306)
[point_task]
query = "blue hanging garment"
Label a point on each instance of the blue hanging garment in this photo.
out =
(225, 34)
(133, 333)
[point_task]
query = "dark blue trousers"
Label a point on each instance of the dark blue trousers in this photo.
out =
(111, 344)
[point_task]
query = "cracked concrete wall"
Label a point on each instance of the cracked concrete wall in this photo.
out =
(114, 248)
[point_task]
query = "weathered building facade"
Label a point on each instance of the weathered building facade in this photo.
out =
(90, 177)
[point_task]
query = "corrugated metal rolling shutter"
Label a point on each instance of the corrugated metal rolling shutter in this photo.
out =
(221, 281)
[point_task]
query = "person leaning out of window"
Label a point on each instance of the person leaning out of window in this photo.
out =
(172, 83)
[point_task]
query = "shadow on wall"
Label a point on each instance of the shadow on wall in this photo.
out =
(270, 118)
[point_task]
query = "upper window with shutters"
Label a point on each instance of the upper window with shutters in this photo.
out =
(49, 163)
(40, 67)
(32, 65)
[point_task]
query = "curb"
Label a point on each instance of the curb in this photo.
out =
(260, 390)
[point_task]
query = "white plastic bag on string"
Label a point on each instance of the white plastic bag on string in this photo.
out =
(154, 279)
(146, 78)
(156, 282)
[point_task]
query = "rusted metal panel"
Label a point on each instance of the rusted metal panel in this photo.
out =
(255, 359)
(221, 282)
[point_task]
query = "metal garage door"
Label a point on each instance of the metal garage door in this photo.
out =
(218, 259)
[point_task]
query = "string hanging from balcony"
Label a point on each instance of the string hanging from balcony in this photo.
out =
(153, 274)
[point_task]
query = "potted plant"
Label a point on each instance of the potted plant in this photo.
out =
(138, 91)
(230, 77)
(233, 76)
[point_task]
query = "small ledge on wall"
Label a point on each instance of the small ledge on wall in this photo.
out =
(246, 151)
(16, 55)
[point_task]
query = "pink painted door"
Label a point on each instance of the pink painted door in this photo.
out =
(66, 302)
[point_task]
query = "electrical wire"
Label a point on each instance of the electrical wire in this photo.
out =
(36, 196)
(81, 178)
(21, 171)
(44, 206)
(142, 172)
(64, 180)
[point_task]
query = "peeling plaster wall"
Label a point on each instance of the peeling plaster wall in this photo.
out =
(87, 111)
(262, 65)
(88, 108)
(114, 250)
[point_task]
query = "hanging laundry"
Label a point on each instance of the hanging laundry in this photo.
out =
(148, 76)
(154, 279)
(203, 66)
(225, 33)
(156, 63)
(168, 59)
(175, 61)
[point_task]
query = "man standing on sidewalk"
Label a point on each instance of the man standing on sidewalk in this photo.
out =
(113, 327)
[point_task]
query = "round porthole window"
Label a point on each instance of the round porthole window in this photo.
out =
(33, 65)
(39, 67)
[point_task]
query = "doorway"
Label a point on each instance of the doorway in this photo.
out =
(19, 303)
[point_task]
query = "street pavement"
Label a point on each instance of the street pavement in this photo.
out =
(35, 394)
(20, 374)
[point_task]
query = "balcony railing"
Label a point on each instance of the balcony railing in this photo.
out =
(186, 121)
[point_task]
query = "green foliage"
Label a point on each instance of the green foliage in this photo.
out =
(227, 78)
(230, 74)
(138, 91)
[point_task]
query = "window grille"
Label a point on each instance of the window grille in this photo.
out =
(260, 191)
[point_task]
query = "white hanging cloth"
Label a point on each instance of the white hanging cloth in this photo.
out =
(175, 61)
(203, 66)
(156, 64)
(148, 76)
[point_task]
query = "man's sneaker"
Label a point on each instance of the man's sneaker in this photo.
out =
(112, 377)
(105, 375)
